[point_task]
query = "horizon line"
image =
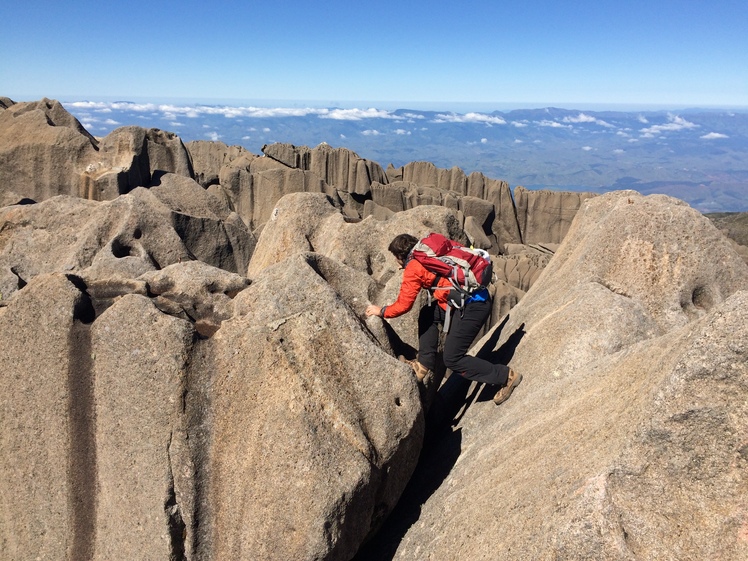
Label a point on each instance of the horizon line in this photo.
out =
(391, 104)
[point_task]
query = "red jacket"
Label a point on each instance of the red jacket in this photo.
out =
(415, 277)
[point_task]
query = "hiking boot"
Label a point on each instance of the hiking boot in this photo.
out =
(512, 382)
(419, 369)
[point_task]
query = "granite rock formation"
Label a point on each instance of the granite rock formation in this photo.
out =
(188, 374)
(734, 225)
(626, 438)
(209, 157)
(45, 151)
(148, 396)
(545, 216)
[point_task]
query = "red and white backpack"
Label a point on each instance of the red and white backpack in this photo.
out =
(468, 270)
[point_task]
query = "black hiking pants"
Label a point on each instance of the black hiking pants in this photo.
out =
(465, 325)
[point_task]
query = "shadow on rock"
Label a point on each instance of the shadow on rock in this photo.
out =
(441, 449)
(433, 467)
(454, 398)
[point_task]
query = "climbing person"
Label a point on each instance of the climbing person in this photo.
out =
(461, 325)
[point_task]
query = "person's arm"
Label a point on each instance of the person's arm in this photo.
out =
(415, 277)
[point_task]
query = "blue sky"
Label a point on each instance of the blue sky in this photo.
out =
(590, 54)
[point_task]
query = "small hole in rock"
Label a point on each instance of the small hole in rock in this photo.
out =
(120, 249)
(701, 298)
(397, 401)
(137, 234)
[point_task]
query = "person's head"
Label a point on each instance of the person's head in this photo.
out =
(401, 245)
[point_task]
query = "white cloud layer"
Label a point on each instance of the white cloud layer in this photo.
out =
(714, 135)
(355, 114)
(171, 111)
(675, 123)
(469, 118)
(552, 124)
(583, 118)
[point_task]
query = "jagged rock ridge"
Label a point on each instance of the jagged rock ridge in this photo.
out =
(189, 375)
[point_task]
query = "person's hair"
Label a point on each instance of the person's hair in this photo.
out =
(401, 245)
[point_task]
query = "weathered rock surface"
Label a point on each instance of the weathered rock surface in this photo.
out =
(310, 222)
(254, 195)
(338, 167)
(503, 228)
(313, 438)
(126, 237)
(208, 157)
(195, 291)
(45, 151)
(626, 438)
(520, 270)
(479, 214)
(154, 443)
(545, 216)
(404, 195)
(142, 477)
(175, 388)
(131, 157)
(47, 450)
(734, 225)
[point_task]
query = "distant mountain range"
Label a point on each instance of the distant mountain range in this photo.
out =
(698, 155)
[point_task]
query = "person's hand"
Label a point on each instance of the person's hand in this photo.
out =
(372, 310)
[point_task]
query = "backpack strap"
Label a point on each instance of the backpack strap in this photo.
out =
(447, 319)
(433, 288)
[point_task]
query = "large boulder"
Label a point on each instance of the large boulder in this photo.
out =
(253, 195)
(310, 222)
(131, 157)
(312, 438)
(207, 226)
(195, 291)
(142, 477)
(545, 216)
(338, 167)
(44, 151)
(132, 432)
(47, 450)
(208, 157)
(123, 238)
(626, 438)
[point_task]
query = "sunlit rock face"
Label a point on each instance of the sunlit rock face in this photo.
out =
(188, 372)
(626, 437)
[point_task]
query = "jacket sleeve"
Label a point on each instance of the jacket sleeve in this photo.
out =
(415, 277)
